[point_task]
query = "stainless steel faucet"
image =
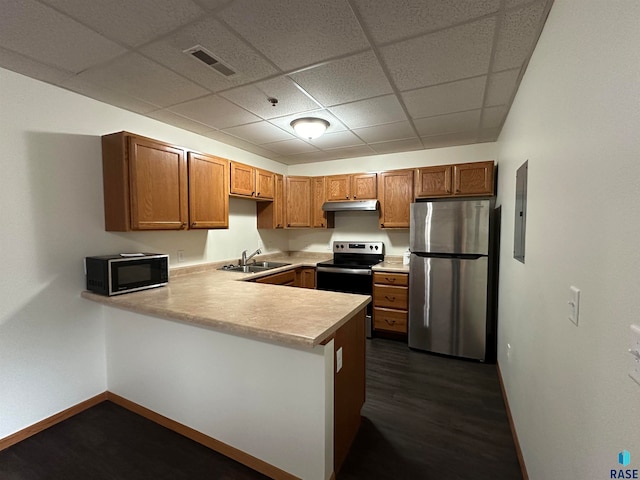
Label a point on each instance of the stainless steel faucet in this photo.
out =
(245, 259)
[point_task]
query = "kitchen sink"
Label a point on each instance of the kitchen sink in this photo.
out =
(254, 267)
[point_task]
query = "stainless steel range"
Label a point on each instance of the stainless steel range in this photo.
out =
(350, 270)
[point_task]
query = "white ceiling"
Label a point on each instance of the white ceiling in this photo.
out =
(388, 75)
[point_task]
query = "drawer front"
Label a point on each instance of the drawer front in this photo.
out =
(389, 320)
(390, 297)
(385, 278)
(284, 278)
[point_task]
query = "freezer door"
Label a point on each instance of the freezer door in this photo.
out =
(455, 226)
(448, 305)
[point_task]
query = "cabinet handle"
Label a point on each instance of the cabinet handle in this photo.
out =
(390, 280)
(253, 193)
(382, 225)
(258, 194)
(347, 197)
(390, 322)
(354, 197)
(193, 224)
(288, 224)
(322, 224)
(184, 225)
(391, 299)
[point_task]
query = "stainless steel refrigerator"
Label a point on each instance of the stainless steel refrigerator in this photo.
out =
(449, 276)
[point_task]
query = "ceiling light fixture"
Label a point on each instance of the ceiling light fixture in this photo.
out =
(310, 127)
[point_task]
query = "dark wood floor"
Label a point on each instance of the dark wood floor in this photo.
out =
(426, 417)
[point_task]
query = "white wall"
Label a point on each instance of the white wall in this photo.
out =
(576, 119)
(51, 215)
(364, 225)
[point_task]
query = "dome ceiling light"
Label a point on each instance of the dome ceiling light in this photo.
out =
(310, 127)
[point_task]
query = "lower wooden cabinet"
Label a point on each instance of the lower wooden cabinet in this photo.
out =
(390, 302)
(306, 277)
(287, 278)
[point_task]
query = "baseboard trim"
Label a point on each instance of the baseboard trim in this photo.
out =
(220, 447)
(31, 430)
(523, 467)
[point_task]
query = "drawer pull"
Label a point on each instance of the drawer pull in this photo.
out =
(390, 322)
(390, 280)
(391, 299)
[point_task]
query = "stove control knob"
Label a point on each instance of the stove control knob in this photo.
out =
(371, 247)
(376, 247)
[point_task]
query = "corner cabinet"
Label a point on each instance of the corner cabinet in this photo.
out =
(145, 184)
(208, 187)
(395, 192)
(464, 179)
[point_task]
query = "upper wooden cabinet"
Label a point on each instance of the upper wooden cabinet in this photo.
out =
(395, 189)
(359, 186)
(145, 184)
(298, 202)
(208, 187)
(271, 214)
(320, 218)
(247, 181)
(465, 179)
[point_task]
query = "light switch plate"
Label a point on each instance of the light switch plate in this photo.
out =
(634, 352)
(574, 304)
(339, 360)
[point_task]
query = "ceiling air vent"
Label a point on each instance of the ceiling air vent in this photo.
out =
(206, 57)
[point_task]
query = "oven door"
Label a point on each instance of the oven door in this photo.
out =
(347, 280)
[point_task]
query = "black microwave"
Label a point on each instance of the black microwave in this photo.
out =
(126, 272)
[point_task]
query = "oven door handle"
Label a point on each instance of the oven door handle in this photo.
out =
(352, 271)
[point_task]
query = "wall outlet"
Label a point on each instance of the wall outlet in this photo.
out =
(180, 256)
(339, 360)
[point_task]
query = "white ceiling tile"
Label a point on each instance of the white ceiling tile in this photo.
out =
(488, 135)
(297, 33)
(501, 87)
(342, 81)
(336, 140)
(258, 133)
(26, 66)
(215, 111)
(284, 123)
(391, 20)
(443, 56)
(407, 145)
(39, 32)
(448, 98)
(239, 143)
(130, 22)
(107, 95)
(212, 4)
(493, 117)
(348, 152)
(308, 157)
(139, 77)
(451, 123)
(255, 98)
(386, 133)
(224, 45)
(179, 121)
(517, 37)
(366, 113)
(290, 147)
(449, 140)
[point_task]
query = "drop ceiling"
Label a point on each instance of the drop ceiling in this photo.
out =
(388, 75)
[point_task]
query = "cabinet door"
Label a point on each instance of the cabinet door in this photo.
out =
(473, 178)
(338, 188)
(306, 277)
(298, 209)
(158, 185)
(319, 217)
(264, 184)
(208, 187)
(434, 181)
(364, 186)
(242, 179)
(278, 202)
(395, 190)
(287, 278)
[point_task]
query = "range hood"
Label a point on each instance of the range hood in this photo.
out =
(351, 206)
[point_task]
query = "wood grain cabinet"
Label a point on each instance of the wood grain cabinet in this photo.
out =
(395, 192)
(320, 218)
(208, 187)
(464, 179)
(271, 214)
(145, 184)
(390, 302)
(298, 202)
(305, 277)
(247, 181)
(287, 278)
(358, 186)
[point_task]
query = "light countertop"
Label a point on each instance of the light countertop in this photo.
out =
(391, 264)
(207, 297)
